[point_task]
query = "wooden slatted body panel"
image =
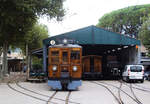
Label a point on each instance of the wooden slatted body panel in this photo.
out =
(86, 63)
(52, 61)
(97, 64)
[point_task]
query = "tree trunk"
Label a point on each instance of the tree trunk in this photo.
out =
(4, 70)
(27, 61)
(1, 63)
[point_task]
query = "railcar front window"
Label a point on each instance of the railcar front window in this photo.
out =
(55, 57)
(75, 55)
(55, 53)
(65, 56)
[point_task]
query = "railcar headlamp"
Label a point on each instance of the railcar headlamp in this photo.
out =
(75, 68)
(54, 68)
(65, 41)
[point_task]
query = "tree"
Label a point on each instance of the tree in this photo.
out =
(33, 40)
(18, 16)
(145, 35)
(127, 20)
(35, 36)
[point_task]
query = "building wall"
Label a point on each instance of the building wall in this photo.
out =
(144, 59)
(12, 56)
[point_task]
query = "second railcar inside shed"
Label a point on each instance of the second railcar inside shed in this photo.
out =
(92, 66)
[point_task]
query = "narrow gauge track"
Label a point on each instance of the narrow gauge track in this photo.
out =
(142, 87)
(27, 94)
(41, 93)
(50, 97)
(138, 88)
(139, 102)
(131, 88)
(66, 101)
(67, 98)
(121, 91)
(117, 99)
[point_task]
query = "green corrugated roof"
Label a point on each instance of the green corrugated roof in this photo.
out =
(95, 35)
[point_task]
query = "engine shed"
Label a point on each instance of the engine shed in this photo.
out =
(102, 50)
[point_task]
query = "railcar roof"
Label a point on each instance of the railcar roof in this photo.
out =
(65, 46)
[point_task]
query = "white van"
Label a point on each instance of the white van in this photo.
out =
(133, 72)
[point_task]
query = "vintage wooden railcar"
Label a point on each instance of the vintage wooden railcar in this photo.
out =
(64, 66)
(92, 66)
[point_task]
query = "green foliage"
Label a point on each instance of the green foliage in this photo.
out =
(18, 16)
(34, 37)
(145, 34)
(127, 20)
(37, 63)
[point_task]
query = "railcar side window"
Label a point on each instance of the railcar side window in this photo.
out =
(75, 55)
(55, 56)
(55, 53)
(65, 56)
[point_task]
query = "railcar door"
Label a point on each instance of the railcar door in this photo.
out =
(65, 63)
(97, 64)
(86, 64)
(92, 65)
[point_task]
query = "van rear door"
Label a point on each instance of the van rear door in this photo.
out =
(136, 72)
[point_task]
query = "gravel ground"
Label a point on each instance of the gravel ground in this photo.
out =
(88, 93)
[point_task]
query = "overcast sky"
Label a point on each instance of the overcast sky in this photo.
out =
(82, 13)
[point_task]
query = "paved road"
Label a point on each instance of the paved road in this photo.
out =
(91, 92)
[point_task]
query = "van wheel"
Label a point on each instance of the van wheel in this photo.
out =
(142, 81)
(127, 79)
(123, 78)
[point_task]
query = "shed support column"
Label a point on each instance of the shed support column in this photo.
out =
(134, 55)
(44, 57)
(139, 55)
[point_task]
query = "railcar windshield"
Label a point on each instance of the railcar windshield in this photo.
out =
(65, 56)
(55, 53)
(75, 56)
(55, 56)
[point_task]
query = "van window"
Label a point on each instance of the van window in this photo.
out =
(125, 68)
(135, 68)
